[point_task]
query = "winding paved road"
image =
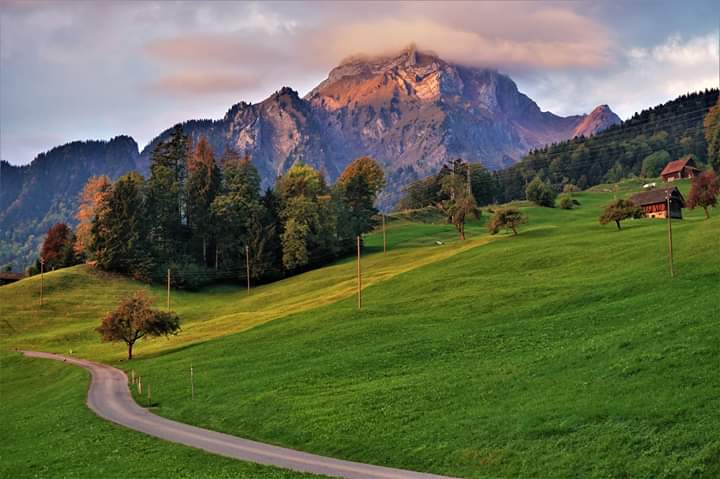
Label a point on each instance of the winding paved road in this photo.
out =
(109, 397)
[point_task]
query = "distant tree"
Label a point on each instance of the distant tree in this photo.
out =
(506, 218)
(236, 211)
(566, 201)
(309, 223)
(620, 210)
(483, 185)
(94, 192)
(704, 191)
(165, 195)
(712, 136)
(120, 230)
(369, 169)
(134, 318)
(201, 188)
(459, 202)
(653, 164)
(540, 193)
(358, 187)
(59, 239)
(7, 268)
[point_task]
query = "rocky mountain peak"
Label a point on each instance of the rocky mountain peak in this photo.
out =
(597, 120)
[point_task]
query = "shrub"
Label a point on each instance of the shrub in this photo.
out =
(508, 219)
(540, 193)
(566, 202)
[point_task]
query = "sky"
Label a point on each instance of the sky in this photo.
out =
(93, 70)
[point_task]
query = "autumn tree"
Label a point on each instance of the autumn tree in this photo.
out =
(540, 193)
(459, 202)
(508, 219)
(201, 188)
(134, 318)
(57, 249)
(712, 136)
(620, 210)
(94, 193)
(704, 191)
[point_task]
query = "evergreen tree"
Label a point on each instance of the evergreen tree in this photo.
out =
(711, 124)
(202, 186)
(120, 229)
(165, 196)
(236, 211)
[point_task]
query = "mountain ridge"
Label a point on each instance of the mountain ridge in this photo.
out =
(412, 112)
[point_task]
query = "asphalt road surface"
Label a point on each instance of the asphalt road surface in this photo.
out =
(109, 397)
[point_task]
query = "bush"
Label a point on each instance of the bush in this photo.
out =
(540, 193)
(508, 219)
(566, 202)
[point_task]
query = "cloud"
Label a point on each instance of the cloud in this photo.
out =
(204, 83)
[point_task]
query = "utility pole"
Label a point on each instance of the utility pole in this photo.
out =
(359, 277)
(192, 383)
(384, 235)
(247, 266)
(42, 272)
(670, 243)
(168, 290)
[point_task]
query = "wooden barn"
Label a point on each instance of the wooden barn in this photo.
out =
(654, 202)
(682, 168)
(7, 277)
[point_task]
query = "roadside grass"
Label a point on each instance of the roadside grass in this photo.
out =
(566, 351)
(48, 432)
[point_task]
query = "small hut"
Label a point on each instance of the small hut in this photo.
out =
(655, 202)
(682, 168)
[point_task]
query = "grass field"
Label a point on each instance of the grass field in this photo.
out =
(48, 432)
(566, 351)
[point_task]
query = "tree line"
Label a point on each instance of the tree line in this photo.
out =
(640, 147)
(202, 217)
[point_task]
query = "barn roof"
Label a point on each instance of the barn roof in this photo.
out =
(11, 276)
(656, 196)
(675, 166)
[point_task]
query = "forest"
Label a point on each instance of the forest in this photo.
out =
(198, 219)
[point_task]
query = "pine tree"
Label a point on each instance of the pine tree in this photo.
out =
(201, 188)
(165, 196)
(120, 230)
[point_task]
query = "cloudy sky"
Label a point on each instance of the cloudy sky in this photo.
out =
(93, 70)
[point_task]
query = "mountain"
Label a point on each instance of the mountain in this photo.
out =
(412, 112)
(36, 196)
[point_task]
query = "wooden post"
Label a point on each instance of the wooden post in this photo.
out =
(359, 277)
(168, 290)
(42, 277)
(139, 385)
(192, 383)
(132, 376)
(247, 266)
(384, 235)
(149, 397)
(670, 243)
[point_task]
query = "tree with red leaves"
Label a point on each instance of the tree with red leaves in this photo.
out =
(704, 191)
(134, 318)
(54, 248)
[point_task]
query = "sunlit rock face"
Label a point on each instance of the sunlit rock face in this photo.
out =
(412, 112)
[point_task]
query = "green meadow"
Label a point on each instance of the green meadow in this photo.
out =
(565, 351)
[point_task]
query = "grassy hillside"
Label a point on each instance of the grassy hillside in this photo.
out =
(565, 351)
(48, 432)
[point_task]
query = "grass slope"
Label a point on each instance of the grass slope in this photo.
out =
(75, 298)
(566, 351)
(48, 432)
